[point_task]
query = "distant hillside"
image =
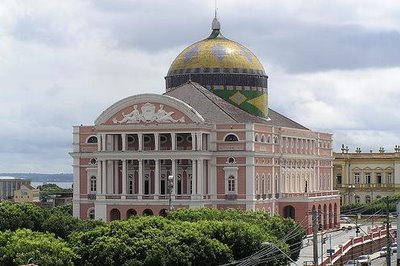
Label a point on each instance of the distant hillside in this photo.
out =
(36, 177)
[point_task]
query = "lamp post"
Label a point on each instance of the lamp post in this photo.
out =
(351, 187)
(170, 187)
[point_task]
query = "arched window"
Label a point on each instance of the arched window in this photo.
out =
(91, 214)
(256, 137)
(367, 199)
(231, 137)
(231, 160)
(262, 138)
(256, 184)
(268, 139)
(93, 184)
(357, 199)
(130, 213)
(92, 139)
(231, 184)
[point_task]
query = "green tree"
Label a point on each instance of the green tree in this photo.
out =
(18, 247)
(14, 216)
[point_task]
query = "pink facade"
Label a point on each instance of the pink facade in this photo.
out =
(122, 168)
(209, 141)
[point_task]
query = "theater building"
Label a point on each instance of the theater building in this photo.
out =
(209, 141)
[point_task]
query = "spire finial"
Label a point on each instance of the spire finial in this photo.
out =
(215, 23)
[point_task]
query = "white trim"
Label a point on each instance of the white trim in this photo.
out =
(231, 133)
(144, 98)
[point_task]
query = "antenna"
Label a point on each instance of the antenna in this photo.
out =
(215, 23)
(215, 9)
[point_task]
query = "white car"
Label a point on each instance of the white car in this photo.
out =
(364, 260)
(347, 226)
(383, 252)
(393, 247)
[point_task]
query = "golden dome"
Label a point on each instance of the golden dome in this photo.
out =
(216, 54)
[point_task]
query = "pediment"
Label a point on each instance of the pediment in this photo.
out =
(149, 109)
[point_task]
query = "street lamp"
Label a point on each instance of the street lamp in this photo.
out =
(170, 187)
(351, 186)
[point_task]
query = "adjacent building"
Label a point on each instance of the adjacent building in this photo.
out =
(26, 193)
(8, 184)
(362, 177)
(209, 141)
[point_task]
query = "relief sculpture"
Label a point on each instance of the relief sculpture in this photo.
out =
(148, 114)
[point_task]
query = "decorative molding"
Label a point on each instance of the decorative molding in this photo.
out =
(140, 99)
(148, 115)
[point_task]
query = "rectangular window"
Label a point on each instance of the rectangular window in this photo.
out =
(379, 178)
(356, 178)
(367, 178)
(231, 184)
(389, 178)
(339, 179)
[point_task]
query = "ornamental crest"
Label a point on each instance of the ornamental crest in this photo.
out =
(148, 114)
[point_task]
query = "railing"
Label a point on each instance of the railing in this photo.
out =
(310, 194)
(230, 196)
(367, 186)
(342, 250)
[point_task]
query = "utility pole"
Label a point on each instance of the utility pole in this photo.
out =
(315, 236)
(388, 260)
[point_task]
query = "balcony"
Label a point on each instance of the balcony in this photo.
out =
(231, 197)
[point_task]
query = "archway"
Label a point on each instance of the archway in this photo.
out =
(330, 215)
(130, 213)
(163, 212)
(325, 217)
(115, 214)
(289, 212)
(147, 212)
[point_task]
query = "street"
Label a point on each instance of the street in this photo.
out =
(332, 240)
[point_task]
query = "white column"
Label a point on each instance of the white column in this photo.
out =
(193, 141)
(157, 178)
(140, 179)
(123, 178)
(212, 180)
(156, 141)
(115, 180)
(199, 141)
(194, 186)
(173, 142)
(250, 175)
(200, 177)
(123, 137)
(140, 138)
(103, 142)
(99, 141)
(175, 188)
(99, 177)
(104, 177)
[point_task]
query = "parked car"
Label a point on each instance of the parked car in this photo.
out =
(364, 260)
(393, 247)
(350, 263)
(347, 226)
(383, 252)
(345, 219)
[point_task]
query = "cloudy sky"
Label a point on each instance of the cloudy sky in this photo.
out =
(333, 66)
